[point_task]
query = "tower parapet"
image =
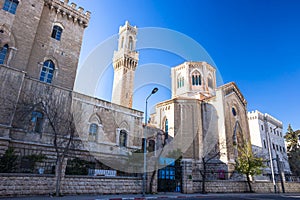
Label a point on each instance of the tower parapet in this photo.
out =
(70, 11)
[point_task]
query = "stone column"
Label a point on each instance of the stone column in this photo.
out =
(187, 176)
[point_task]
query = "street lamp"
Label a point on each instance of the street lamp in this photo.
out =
(145, 141)
(270, 151)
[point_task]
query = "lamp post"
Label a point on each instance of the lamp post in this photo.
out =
(270, 151)
(145, 141)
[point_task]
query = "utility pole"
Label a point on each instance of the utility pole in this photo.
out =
(145, 143)
(270, 151)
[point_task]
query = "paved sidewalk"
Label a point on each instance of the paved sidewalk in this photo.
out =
(226, 196)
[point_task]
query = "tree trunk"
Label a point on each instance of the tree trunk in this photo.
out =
(58, 175)
(203, 176)
(249, 183)
(152, 179)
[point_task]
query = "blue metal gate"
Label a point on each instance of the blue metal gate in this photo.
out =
(169, 177)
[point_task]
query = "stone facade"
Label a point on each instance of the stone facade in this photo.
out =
(44, 40)
(125, 62)
(241, 186)
(202, 118)
(24, 185)
(266, 129)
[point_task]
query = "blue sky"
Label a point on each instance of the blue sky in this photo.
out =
(255, 43)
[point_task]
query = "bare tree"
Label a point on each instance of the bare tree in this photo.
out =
(47, 110)
(206, 159)
(212, 150)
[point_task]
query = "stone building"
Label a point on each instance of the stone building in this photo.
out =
(268, 141)
(204, 119)
(40, 47)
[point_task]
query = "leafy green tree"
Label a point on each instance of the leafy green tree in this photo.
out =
(248, 164)
(293, 149)
(291, 138)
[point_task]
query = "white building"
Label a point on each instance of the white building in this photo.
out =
(265, 130)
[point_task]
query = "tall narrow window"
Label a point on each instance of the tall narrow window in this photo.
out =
(166, 128)
(56, 32)
(47, 71)
(265, 144)
(3, 53)
(130, 44)
(93, 129)
(180, 81)
(262, 127)
(36, 122)
(210, 82)
(196, 78)
(123, 138)
(11, 6)
(193, 80)
(151, 146)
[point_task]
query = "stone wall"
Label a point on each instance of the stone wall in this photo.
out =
(25, 184)
(241, 186)
(30, 185)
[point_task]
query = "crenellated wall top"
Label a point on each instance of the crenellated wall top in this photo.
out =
(128, 27)
(70, 11)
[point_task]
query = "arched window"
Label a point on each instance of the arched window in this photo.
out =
(130, 43)
(36, 122)
(3, 53)
(47, 71)
(123, 138)
(56, 32)
(193, 80)
(180, 81)
(166, 128)
(196, 78)
(93, 129)
(11, 6)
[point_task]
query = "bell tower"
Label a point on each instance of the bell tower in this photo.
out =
(125, 61)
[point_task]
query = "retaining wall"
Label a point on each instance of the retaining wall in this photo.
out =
(34, 184)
